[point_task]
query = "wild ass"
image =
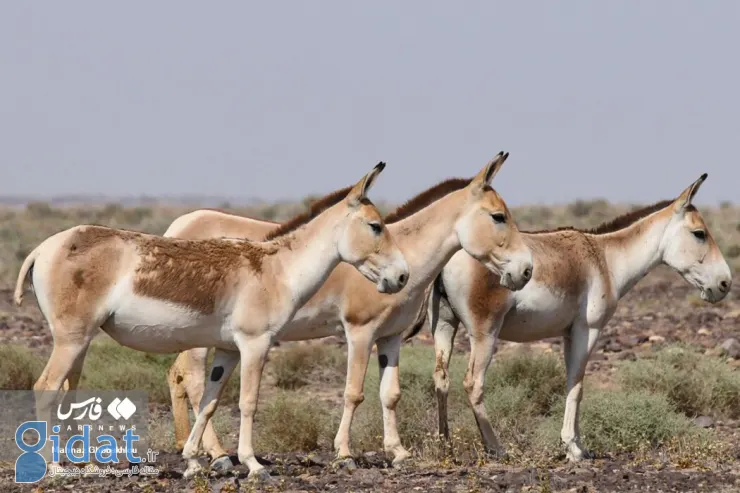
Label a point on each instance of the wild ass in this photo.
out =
(579, 276)
(429, 229)
(160, 294)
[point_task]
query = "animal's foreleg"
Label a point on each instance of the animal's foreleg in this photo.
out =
(254, 354)
(221, 369)
(359, 353)
(577, 346)
(389, 349)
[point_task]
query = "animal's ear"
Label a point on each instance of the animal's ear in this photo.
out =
(684, 200)
(359, 191)
(485, 175)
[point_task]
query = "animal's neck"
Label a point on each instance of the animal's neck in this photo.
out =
(307, 256)
(634, 251)
(428, 238)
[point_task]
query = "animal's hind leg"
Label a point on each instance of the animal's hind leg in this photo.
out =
(443, 324)
(223, 365)
(192, 370)
(481, 353)
(577, 347)
(179, 398)
(67, 355)
(75, 373)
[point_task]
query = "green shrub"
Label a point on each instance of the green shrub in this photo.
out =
(621, 421)
(694, 383)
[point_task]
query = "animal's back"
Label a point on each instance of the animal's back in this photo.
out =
(205, 224)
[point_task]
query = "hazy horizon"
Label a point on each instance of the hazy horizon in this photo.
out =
(629, 102)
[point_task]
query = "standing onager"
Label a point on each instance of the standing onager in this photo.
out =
(579, 276)
(160, 294)
(429, 229)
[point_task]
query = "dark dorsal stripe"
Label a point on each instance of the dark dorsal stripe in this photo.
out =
(619, 222)
(426, 197)
(316, 208)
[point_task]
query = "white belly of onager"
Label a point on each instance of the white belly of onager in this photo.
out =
(157, 326)
(538, 313)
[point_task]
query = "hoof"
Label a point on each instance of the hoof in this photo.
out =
(576, 454)
(222, 464)
(259, 476)
(192, 471)
(401, 459)
(346, 463)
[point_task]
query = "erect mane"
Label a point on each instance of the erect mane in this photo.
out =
(619, 222)
(426, 197)
(316, 208)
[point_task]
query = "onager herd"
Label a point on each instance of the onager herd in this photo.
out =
(451, 254)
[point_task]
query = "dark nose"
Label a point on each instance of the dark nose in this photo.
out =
(724, 286)
(402, 280)
(527, 274)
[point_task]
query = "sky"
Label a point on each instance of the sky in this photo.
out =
(629, 101)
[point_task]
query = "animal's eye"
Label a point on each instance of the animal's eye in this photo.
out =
(377, 228)
(700, 234)
(498, 218)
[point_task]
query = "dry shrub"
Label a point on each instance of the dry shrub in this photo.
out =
(19, 368)
(291, 423)
(694, 383)
(294, 366)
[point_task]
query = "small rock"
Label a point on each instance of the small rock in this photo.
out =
(627, 355)
(636, 340)
(732, 314)
(731, 348)
(612, 346)
(656, 339)
(704, 422)
(368, 476)
(597, 357)
(704, 331)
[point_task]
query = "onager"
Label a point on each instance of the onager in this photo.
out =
(429, 229)
(158, 294)
(579, 276)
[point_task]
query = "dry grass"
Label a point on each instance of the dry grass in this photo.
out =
(292, 423)
(19, 368)
(300, 364)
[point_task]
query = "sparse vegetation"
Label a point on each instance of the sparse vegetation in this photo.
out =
(293, 368)
(290, 422)
(623, 421)
(524, 398)
(646, 410)
(19, 368)
(695, 384)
